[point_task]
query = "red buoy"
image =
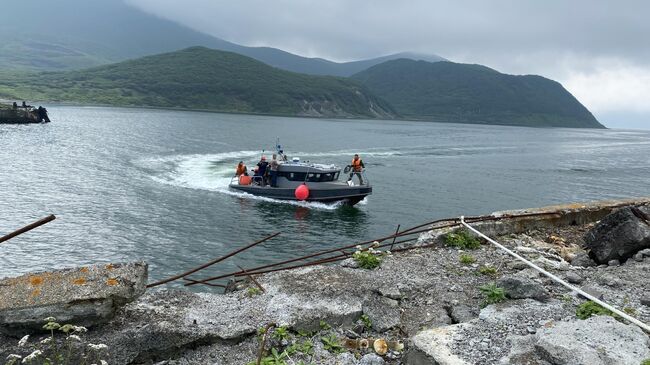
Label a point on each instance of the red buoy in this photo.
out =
(302, 192)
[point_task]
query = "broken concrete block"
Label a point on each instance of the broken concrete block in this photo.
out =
(81, 296)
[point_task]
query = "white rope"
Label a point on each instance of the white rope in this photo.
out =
(558, 280)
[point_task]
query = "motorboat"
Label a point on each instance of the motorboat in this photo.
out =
(298, 180)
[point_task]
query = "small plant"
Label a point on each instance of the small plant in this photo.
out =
(462, 239)
(304, 347)
(275, 358)
(253, 291)
(332, 344)
(645, 362)
(369, 258)
(281, 333)
(590, 308)
(51, 350)
(466, 259)
(324, 326)
(367, 323)
(493, 294)
(488, 270)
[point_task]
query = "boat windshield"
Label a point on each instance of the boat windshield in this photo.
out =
(312, 177)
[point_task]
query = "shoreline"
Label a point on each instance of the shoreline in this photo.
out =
(425, 298)
(404, 119)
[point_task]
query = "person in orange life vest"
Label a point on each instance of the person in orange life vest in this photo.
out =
(241, 169)
(357, 168)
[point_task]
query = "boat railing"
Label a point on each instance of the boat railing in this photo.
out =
(352, 175)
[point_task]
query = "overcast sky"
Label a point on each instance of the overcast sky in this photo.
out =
(599, 50)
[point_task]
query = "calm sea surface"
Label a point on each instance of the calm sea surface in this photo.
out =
(131, 184)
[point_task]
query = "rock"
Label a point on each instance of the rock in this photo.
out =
(573, 278)
(638, 257)
(619, 235)
(383, 312)
(518, 287)
(599, 340)
(613, 263)
(645, 253)
(350, 263)
(82, 296)
(594, 291)
(645, 300)
(371, 359)
(433, 346)
(347, 358)
(462, 313)
(582, 260)
(390, 292)
(423, 317)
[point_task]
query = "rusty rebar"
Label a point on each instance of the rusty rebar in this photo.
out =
(302, 258)
(263, 344)
(396, 232)
(257, 283)
(219, 259)
(403, 233)
(28, 227)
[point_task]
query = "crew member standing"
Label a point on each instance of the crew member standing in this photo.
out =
(357, 168)
(261, 170)
(274, 166)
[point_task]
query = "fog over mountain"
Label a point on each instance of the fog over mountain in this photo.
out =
(596, 49)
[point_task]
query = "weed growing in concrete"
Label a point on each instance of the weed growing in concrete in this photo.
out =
(590, 308)
(369, 258)
(275, 358)
(324, 326)
(488, 271)
(305, 347)
(50, 350)
(332, 344)
(493, 294)
(253, 291)
(645, 362)
(462, 239)
(367, 323)
(281, 333)
(466, 259)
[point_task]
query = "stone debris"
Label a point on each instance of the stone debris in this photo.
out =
(519, 287)
(619, 235)
(582, 259)
(573, 277)
(425, 298)
(84, 296)
(599, 340)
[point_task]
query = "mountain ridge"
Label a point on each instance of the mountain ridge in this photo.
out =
(470, 93)
(201, 78)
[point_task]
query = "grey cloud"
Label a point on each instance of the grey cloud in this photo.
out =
(586, 44)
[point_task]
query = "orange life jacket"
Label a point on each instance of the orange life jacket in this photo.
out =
(241, 168)
(356, 165)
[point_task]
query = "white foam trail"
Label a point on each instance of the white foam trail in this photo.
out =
(212, 172)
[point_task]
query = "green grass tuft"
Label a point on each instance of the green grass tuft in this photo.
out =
(462, 239)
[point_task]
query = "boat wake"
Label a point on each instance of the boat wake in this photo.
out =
(213, 172)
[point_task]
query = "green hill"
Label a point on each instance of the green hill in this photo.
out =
(201, 78)
(454, 92)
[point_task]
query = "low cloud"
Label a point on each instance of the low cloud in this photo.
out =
(596, 48)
